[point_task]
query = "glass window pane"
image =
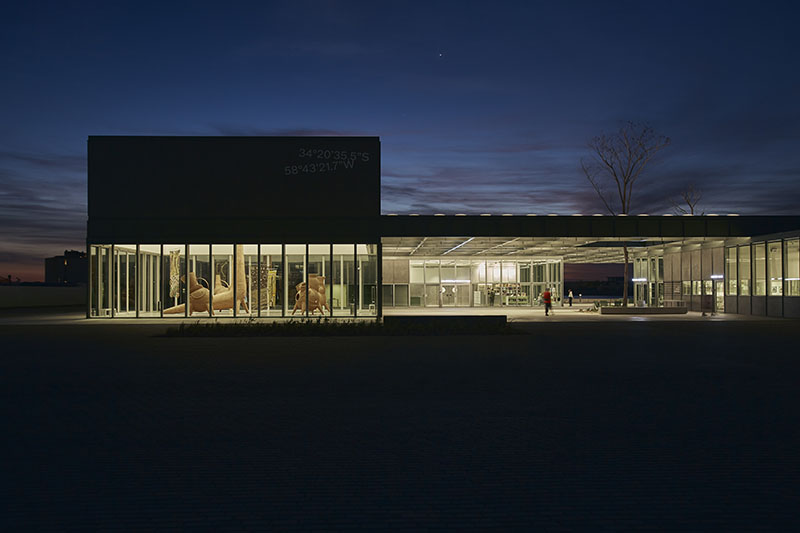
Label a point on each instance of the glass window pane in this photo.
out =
(730, 272)
(270, 281)
(296, 277)
(343, 288)
(222, 267)
(417, 294)
(368, 278)
(432, 271)
(247, 265)
(101, 281)
(401, 295)
(759, 270)
(124, 288)
(775, 268)
(744, 270)
(173, 285)
(149, 262)
(792, 274)
(319, 266)
(199, 276)
(417, 271)
(388, 296)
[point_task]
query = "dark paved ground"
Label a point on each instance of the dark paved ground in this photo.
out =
(601, 426)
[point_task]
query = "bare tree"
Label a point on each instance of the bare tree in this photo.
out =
(617, 161)
(687, 203)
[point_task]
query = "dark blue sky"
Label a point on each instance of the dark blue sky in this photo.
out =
(481, 106)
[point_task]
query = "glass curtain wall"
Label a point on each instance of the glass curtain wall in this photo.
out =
(479, 283)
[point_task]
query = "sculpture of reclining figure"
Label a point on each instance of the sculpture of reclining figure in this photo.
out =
(224, 299)
(198, 298)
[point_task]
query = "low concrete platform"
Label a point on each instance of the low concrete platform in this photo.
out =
(479, 321)
(609, 310)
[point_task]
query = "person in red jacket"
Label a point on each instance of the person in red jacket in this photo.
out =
(547, 299)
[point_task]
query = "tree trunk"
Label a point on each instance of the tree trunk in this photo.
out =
(625, 278)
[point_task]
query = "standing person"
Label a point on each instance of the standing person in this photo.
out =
(548, 302)
(570, 297)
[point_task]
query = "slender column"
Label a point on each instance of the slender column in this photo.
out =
(235, 292)
(139, 271)
(285, 280)
(187, 296)
(91, 272)
(161, 271)
(111, 271)
(305, 275)
(379, 282)
(330, 276)
(356, 280)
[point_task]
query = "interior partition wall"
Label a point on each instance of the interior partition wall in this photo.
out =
(470, 282)
(233, 280)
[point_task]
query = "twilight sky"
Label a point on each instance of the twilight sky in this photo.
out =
(480, 106)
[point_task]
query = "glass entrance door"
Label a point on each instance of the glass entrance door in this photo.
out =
(448, 295)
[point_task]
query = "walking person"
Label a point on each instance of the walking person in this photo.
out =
(570, 297)
(548, 302)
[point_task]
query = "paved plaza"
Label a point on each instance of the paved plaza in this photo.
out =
(684, 424)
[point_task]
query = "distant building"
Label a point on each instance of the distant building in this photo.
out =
(67, 269)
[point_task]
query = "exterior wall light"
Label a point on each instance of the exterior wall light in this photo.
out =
(638, 280)
(717, 276)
